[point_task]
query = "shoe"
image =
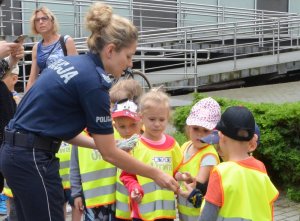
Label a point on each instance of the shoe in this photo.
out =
(3, 209)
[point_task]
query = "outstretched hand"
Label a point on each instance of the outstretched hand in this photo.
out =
(166, 181)
(187, 177)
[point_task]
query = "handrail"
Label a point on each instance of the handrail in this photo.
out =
(190, 13)
(260, 33)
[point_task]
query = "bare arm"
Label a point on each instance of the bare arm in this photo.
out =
(71, 48)
(203, 175)
(82, 141)
(34, 69)
(106, 145)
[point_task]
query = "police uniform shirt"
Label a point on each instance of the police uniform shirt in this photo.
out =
(70, 95)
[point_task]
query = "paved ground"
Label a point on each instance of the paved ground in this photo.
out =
(275, 93)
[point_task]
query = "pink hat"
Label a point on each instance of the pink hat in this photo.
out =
(125, 109)
(205, 113)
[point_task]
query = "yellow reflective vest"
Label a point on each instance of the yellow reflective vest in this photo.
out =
(248, 193)
(64, 155)
(98, 178)
(122, 199)
(158, 203)
(186, 210)
(7, 190)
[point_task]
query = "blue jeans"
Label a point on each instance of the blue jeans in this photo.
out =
(33, 176)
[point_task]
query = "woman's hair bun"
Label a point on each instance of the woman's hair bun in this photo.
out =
(98, 17)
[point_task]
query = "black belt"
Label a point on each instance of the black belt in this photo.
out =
(31, 140)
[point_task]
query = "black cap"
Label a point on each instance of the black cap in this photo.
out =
(238, 123)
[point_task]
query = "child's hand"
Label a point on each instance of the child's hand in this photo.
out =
(189, 188)
(136, 195)
(78, 204)
(187, 177)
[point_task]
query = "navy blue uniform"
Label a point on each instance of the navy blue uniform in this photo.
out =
(70, 95)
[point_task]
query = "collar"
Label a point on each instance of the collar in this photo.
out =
(96, 58)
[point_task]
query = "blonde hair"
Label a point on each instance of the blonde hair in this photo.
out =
(48, 13)
(125, 89)
(154, 98)
(107, 27)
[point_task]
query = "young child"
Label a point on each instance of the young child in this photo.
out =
(148, 200)
(199, 157)
(240, 187)
(64, 155)
(121, 92)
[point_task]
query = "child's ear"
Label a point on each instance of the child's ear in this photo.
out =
(253, 144)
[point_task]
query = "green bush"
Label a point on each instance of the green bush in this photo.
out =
(279, 147)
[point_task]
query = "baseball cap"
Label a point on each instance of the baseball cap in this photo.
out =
(205, 113)
(238, 123)
(213, 137)
(125, 109)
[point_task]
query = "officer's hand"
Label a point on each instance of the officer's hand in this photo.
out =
(187, 177)
(165, 181)
(78, 204)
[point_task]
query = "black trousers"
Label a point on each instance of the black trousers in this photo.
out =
(33, 176)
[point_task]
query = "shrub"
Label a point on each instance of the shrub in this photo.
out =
(279, 147)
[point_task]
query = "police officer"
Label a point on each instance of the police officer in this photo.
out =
(70, 95)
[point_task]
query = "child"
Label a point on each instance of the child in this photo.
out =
(148, 200)
(239, 188)
(64, 155)
(121, 92)
(199, 157)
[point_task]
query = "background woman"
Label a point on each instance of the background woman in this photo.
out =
(50, 48)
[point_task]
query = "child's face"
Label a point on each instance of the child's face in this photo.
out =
(155, 120)
(127, 126)
(196, 133)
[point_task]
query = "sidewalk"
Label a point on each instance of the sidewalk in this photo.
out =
(285, 210)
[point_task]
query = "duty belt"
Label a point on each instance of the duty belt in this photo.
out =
(31, 140)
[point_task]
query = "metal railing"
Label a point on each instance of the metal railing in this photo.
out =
(231, 34)
(191, 46)
(145, 15)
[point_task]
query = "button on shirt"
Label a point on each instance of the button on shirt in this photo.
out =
(70, 95)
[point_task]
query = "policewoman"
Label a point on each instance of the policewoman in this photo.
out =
(70, 95)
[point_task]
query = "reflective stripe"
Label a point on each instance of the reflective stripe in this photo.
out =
(64, 164)
(151, 187)
(65, 178)
(99, 191)
(122, 206)
(122, 189)
(183, 217)
(157, 205)
(94, 175)
(232, 219)
(183, 201)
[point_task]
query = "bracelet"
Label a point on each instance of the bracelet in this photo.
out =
(195, 198)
